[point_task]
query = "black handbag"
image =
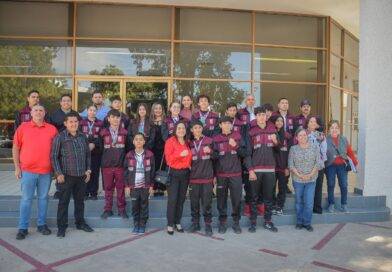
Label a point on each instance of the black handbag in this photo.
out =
(162, 176)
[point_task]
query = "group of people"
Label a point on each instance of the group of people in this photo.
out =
(252, 148)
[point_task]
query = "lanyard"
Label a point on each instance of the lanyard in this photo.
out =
(175, 119)
(90, 127)
(141, 127)
(203, 117)
(139, 159)
(114, 135)
(197, 147)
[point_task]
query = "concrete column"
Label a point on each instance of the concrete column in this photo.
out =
(375, 100)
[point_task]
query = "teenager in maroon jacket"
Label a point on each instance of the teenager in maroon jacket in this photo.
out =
(260, 162)
(290, 124)
(201, 177)
(209, 119)
(172, 119)
(238, 125)
(116, 105)
(143, 125)
(230, 148)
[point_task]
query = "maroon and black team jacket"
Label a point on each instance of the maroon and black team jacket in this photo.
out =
(238, 126)
(202, 170)
(113, 155)
(92, 137)
(291, 124)
(130, 164)
(149, 133)
(211, 127)
(23, 116)
(260, 149)
(229, 158)
(282, 151)
(301, 121)
(168, 124)
(124, 121)
(244, 115)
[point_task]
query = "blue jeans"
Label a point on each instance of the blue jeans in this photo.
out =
(331, 172)
(304, 198)
(28, 183)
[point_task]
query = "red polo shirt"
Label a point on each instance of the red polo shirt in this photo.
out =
(35, 143)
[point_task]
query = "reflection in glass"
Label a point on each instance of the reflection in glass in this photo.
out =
(289, 64)
(6, 136)
(347, 115)
(212, 61)
(351, 49)
(354, 118)
(86, 88)
(351, 76)
(123, 58)
(335, 71)
(336, 39)
(35, 57)
(335, 103)
(220, 93)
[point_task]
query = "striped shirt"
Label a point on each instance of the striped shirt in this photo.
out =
(140, 176)
(70, 154)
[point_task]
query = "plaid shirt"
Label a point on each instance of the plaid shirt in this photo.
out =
(70, 155)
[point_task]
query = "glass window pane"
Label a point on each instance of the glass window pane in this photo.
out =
(220, 93)
(123, 58)
(35, 19)
(6, 136)
(290, 30)
(351, 49)
(354, 119)
(336, 39)
(86, 89)
(335, 104)
(35, 57)
(212, 61)
(213, 25)
(347, 115)
(289, 64)
(335, 71)
(14, 93)
(350, 79)
(271, 92)
(123, 21)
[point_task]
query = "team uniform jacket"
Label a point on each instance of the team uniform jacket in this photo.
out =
(130, 164)
(93, 135)
(168, 126)
(202, 169)
(113, 155)
(211, 126)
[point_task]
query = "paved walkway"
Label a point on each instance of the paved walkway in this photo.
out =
(335, 247)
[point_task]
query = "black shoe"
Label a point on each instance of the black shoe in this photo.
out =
(179, 229)
(299, 226)
(170, 232)
(21, 234)
(84, 227)
(208, 230)
(86, 198)
(288, 191)
(194, 227)
(61, 232)
(270, 226)
(123, 215)
(318, 211)
(236, 228)
(309, 228)
(94, 197)
(56, 195)
(106, 214)
(222, 228)
(44, 230)
(142, 228)
(252, 228)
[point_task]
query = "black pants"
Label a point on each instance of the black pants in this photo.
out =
(318, 193)
(176, 192)
(245, 181)
(75, 186)
(92, 185)
(234, 184)
(140, 205)
(282, 181)
(203, 192)
(264, 183)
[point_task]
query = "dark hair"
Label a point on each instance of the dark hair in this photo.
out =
(140, 134)
(259, 110)
(97, 92)
(333, 122)
(277, 117)
(281, 131)
(268, 107)
(230, 105)
(308, 119)
(115, 98)
(200, 96)
(114, 113)
(137, 111)
(65, 95)
(182, 106)
(175, 130)
(171, 104)
(282, 98)
(299, 130)
(71, 114)
(32, 91)
(196, 123)
(91, 105)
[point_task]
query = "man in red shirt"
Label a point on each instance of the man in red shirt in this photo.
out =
(31, 155)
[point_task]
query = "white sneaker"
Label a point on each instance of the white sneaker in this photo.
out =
(331, 208)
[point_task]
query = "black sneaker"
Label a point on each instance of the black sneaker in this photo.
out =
(299, 226)
(309, 228)
(288, 191)
(84, 227)
(194, 227)
(252, 228)
(123, 215)
(56, 195)
(208, 230)
(94, 197)
(236, 228)
(279, 212)
(222, 228)
(270, 226)
(21, 234)
(273, 211)
(61, 232)
(44, 230)
(317, 210)
(106, 214)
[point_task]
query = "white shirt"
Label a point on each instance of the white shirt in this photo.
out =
(139, 177)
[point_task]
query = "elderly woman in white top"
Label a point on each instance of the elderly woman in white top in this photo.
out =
(318, 139)
(304, 164)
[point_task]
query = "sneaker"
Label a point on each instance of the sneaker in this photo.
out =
(56, 195)
(299, 226)
(142, 229)
(279, 212)
(222, 228)
(247, 210)
(288, 191)
(94, 197)
(308, 228)
(194, 227)
(273, 211)
(208, 229)
(236, 228)
(344, 208)
(22, 233)
(84, 227)
(106, 214)
(252, 228)
(260, 208)
(270, 226)
(86, 198)
(135, 229)
(44, 230)
(317, 210)
(61, 232)
(331, 208)
(123, 215)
